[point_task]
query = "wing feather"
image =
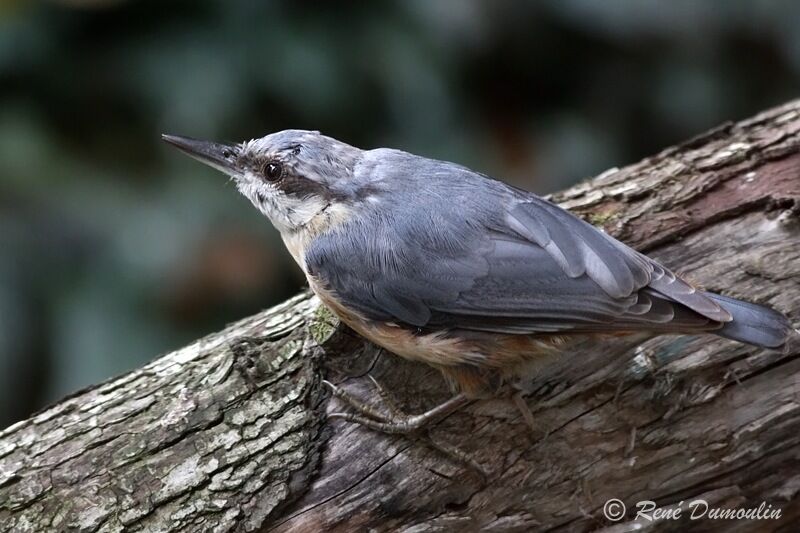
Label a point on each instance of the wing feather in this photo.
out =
(493, 258)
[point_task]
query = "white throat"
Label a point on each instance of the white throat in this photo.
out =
(287, 213)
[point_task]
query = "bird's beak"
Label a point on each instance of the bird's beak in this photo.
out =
(218, 155)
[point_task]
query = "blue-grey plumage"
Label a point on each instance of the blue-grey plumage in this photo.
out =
(442, 264)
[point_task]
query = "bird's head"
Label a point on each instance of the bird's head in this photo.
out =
(291, 176)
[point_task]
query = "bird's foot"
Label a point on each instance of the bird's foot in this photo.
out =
(396, 421)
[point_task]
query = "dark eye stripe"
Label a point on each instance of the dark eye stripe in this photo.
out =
(300, 186)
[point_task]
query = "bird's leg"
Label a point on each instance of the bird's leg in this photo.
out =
(524, 410)
(352, 401)
(397, 422)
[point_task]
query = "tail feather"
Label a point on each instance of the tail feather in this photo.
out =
(752, 324)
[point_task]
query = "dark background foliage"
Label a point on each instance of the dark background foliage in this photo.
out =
(114, 248)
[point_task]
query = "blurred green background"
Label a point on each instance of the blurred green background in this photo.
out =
(115, 248)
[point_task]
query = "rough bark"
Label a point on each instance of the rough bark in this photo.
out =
(230, 433)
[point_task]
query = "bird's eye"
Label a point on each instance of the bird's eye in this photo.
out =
(273, 170)
(227, 153)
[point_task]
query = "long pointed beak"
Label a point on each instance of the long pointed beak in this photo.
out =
(218, 155)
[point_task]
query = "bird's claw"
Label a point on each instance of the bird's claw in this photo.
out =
(398, 422)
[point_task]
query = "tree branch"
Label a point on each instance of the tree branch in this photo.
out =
(230, 433)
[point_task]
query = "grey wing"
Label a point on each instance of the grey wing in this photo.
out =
(500, 261)
(583, 251)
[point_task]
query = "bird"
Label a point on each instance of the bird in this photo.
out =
(441, 264)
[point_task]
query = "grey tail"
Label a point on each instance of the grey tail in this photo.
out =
(752, 324)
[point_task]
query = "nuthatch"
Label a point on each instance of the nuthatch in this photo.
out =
(440, 264)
